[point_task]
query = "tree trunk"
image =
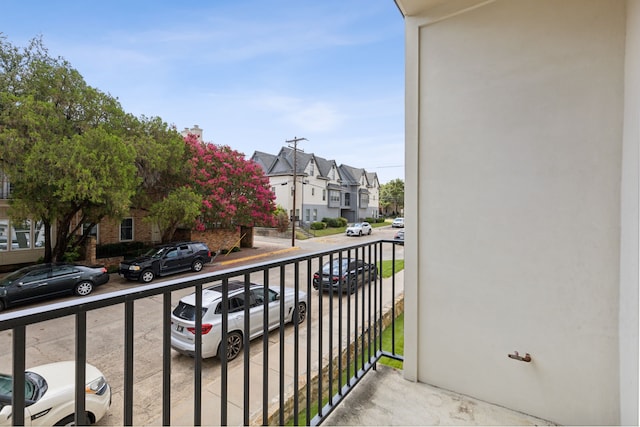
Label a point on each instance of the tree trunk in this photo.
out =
(47, 240)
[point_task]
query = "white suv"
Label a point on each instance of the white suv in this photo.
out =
(183, 317)
(358, 229)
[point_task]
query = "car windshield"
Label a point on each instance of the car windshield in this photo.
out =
(335, 267)
(187, 311)
(357, 225)
(157, 252)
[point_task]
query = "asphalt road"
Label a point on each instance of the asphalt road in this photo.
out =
(54, 340)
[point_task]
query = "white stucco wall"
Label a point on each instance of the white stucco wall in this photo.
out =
(629, 223)
(514, 156)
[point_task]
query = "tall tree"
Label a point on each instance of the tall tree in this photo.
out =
(392, 195)
(63, 146)
(234, 190)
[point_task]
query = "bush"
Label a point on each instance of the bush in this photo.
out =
(124, 249)
(335, 222)
(318, 225)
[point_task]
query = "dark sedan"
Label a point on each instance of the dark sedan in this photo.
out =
(43, 281)
(344, 275)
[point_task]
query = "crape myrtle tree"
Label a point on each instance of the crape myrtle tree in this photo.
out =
(63, 145)
(234, 191)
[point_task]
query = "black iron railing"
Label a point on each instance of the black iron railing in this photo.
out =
(319, 360)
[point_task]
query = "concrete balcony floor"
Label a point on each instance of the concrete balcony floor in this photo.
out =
(384, 397)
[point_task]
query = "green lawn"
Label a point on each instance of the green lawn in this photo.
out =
(399, 348)
(339, 230)
(387, 267)
(386, 345)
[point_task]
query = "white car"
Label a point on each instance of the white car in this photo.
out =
(358, 229)
(50, 396)
(398, 223)
(183, 317)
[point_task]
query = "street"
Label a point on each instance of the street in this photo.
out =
(54, 340)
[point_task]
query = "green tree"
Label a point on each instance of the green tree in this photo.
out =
(63, 145)
(180, 207)
(392, 195)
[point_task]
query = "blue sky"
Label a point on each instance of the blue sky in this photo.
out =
(251, 73)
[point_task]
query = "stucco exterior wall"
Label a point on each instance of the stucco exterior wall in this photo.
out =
(514, 156)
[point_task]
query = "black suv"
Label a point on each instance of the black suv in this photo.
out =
(166, 259)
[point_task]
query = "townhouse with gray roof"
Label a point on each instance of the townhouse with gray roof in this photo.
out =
(323, 189)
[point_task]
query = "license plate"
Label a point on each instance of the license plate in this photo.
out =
(179, 328)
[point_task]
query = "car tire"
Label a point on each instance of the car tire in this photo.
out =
(369, 233)
(147, 276)
(360, 233)
(69, 420)
(197, 265)
(2, 306)
(353, 285)
(300, 314)
(234, 346)
(83, 288)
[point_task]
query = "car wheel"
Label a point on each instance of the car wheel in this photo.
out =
(147, 276)
(360, 233)
(67, 421)
(83, 288)
(197, 265)
(234, 345)
(369, 233)
(301, 313)
(353, 285)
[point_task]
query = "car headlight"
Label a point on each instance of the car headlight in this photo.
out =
(97, 386)
(134, 267)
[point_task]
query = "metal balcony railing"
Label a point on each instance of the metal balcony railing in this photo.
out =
(338, 342)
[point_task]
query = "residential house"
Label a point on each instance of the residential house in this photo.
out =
(521, 147)
(322, 188)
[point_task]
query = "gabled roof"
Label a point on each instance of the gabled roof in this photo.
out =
(265, 160)
(352, 175)
(282, 164)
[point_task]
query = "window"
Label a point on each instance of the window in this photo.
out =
(313, 191)
(62, 270)
(347, 199)
(21, 236)
(315, 215)
(311, 169)
(36, 275)
(259, 295)
(307, 215)
(273, 190)
(126, 230)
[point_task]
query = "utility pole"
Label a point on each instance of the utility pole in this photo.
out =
(294, 141)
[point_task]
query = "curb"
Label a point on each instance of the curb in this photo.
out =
(250, 257)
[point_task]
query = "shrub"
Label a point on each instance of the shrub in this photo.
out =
(318, 225)
(124, 249)
(335, 222)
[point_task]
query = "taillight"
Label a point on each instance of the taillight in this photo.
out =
(209, 253)
(335, 279)
(316, 276)
(206, 328)
(104, 269)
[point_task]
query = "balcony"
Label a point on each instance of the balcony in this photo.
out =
(340, 340)
(280, 378)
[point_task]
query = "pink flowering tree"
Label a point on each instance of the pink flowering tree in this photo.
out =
(235, 191)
